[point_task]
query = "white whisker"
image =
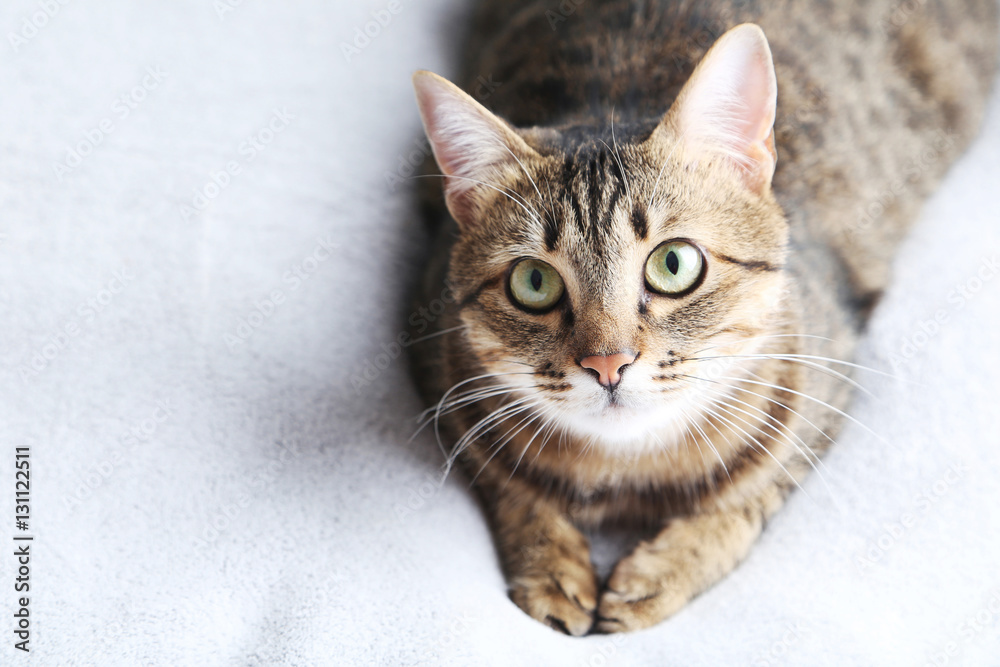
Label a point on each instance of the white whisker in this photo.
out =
(438, 333)
(526, 447)
(762, 448)
(532, 416)
(666, 161)
(811, 398)
(523, 203)
(438, 408)
(803, 362)
(708, 441)
(762, 337)
(766, 398)
(617, 156)
(814, 461)
(533, 184)
(487, 422)
(811, 357)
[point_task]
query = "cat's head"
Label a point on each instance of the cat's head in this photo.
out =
(596, 276)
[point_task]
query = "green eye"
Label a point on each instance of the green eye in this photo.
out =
(674, 267)
(535, 285)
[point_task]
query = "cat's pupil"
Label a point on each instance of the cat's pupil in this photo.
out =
(673, 262)
(536, 280)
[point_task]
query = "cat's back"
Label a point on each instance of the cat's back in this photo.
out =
(875, 100)
(549, 62)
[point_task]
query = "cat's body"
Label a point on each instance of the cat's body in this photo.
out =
(875, 100)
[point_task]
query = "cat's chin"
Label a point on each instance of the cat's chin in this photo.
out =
(619, 429)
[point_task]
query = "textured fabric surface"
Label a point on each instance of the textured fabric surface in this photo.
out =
(205, 251)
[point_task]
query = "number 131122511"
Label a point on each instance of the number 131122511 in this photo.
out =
(22, 485)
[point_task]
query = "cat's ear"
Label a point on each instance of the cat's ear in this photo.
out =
(727, 107)
(472, 146)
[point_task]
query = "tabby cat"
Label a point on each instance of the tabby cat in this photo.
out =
(663, 255)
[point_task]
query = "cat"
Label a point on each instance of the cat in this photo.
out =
(665, 235)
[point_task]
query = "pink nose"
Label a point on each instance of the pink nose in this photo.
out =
(607, 368)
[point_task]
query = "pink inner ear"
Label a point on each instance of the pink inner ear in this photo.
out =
(728, 106)
(453, 129)
(468, 141)
(756, 92)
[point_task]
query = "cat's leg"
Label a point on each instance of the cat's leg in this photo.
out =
(546, 559)
(686, 557)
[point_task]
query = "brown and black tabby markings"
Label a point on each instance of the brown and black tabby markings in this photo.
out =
(602, 142)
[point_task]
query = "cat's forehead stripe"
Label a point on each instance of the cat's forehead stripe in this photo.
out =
(552, 230)
(577, 209)
(639, 222)
(593, 176)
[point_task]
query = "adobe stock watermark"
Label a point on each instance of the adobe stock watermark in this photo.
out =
(971, 627)
(409, 162)
(364, 34)
(562, 13)
(248, 150)
(606, 650)
(33, 24)
(294, 278)
(223, 7)
(99, 473)
(453, 633)
(86, 313)
(420, 321)
(957, 298)
(121, 109)
(777, 652)
(329, 591)
(418, 496)
(912, 171)
(898, 15)
(707, 34)
(259, 482)
(923, 502)
(813, 101)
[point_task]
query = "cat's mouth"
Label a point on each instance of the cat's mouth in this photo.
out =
(622, 420)
(615, 406)
(615, 411)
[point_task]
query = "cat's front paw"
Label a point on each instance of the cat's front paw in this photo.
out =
(564, 598)
(643, 590)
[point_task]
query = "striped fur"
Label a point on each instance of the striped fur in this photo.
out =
(717, 419)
